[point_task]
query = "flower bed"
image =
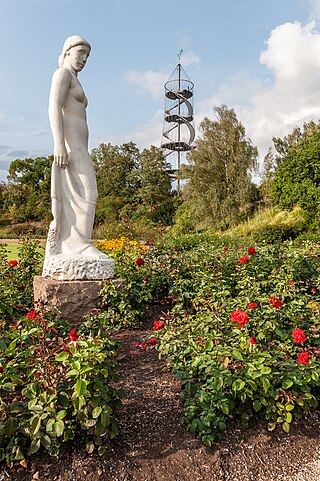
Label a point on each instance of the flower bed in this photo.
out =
(244, 336)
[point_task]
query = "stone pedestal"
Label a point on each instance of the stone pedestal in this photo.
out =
(74, 299)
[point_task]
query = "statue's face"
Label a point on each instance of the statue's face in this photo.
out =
(78, 56)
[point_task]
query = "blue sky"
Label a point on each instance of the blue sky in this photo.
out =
(260, 57)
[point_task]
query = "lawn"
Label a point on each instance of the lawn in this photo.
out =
(12, 247)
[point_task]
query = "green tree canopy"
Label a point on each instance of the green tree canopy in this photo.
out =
(219, 174)
(297, 179)
(28, 189)
(117, 178)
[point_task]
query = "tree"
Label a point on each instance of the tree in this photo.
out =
(155, 181)
(155, 198)
(297, 179)
(117, 178)
(219, 173)
(283, 146)
(28, 190)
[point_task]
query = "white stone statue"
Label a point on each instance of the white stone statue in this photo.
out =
(70, 253)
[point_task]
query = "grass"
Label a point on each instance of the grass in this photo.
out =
(266, 217)
(12, 249)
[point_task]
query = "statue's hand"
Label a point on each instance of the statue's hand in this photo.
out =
(61, 157)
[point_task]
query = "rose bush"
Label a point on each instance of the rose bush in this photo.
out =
(266, 362)
(55, 384)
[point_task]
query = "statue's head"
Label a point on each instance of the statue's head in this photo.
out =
(75, 50)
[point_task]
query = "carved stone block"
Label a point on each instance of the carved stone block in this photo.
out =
(74, 299)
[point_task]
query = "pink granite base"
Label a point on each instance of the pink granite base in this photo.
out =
(74, 299)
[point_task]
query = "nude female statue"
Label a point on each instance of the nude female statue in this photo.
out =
(73, 182)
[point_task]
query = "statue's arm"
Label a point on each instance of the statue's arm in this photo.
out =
(60, 85)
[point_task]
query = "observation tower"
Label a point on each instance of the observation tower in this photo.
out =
(178, 127)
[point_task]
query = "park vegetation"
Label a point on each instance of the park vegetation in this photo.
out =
(238, 263)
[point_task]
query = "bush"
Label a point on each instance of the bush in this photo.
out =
(275, 233)
(243, 337)
(16, 279)
(54, 387)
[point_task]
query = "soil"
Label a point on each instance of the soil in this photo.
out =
(153, 446)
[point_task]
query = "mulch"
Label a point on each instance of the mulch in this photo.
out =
(153, 446)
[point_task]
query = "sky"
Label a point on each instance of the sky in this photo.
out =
(259, 57)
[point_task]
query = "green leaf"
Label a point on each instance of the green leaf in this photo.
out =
(96, 412)
(288, 417)
(77, 365)
(10, 426)
(62, 356)
(49, 426)
(218, 383)
(105, 418)
(61, 414)
(209, 345)
(256, 405)
(35, 424)
(287, 383)
(3, 345)
(237, 355)
(35, 445)
(265, 370)
(80, 387)
(238, 384)
(289, 407)
(58, 427)
(265, 384)
(105, 372)
(8, 386)
(73, 372)
(286, 426)
(46, 441)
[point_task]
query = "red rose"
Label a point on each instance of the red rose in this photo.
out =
(303, 358)
(313, 290)
(157, 325)
(226, 249)
(73, 335)
(243, 259)
(253, 340)
(31, 315)
(137, 344)
(153, 341)
(13, 263)
(252, 305)
(251, 251)
(1, 369)
(291, 283)
(275, 302)
(145, 279)
(240, 317)
(298, 335)
(139, 262)
(121, 350)
(143, 346)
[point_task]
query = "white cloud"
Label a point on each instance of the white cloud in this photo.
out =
(152, 82)
(190, 58)
(288, 98)
(315, 9)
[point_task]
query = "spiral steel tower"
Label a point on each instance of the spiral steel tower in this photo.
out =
(178, 126)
